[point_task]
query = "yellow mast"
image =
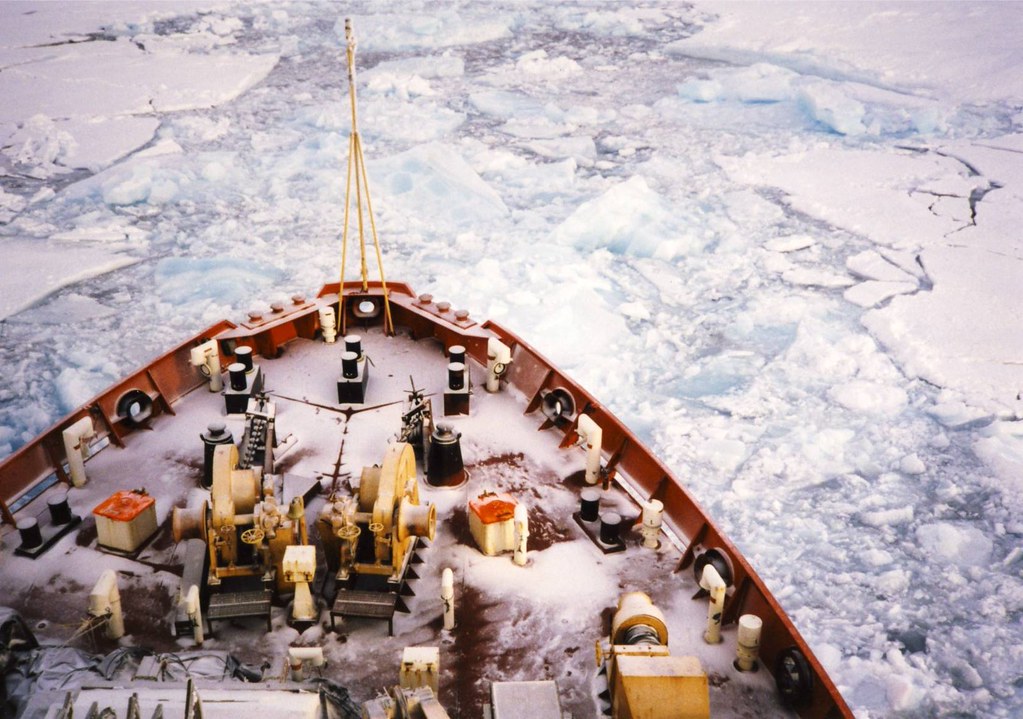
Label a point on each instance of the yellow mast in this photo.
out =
(357, 167)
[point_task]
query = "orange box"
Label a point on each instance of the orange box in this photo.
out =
(125, 520)
(492, 522)
(490, 507)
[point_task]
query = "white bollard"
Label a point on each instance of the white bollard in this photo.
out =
(299, 566)
(714, 584)
(328, 324)
(521, 535)
(592, 437)
(193, 608)
(447, 595)
(498, 359)
(297, 658)
(76, 444)
(207, 359)
(747, 648)
(105, 601)
(653, 512)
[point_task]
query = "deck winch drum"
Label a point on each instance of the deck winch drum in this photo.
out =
(638, 621)
(189, 523)
(416, 520)
(641, 634)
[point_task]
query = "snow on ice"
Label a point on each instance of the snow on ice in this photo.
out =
(780, 240)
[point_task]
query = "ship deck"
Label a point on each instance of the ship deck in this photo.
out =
(537, 622)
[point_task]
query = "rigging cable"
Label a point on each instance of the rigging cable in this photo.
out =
(357, 166)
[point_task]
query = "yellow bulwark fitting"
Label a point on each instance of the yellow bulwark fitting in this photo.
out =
(357, 167)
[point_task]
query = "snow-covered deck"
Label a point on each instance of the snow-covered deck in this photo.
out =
(514, 623)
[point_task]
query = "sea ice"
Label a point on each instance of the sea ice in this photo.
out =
(871, 265)
(76, 310)
(630, 218)
(939, 334)
(433, 181)
(28, 278)
(10, 206)
(912, 464)
(1001, 448)
(836, 184)
(185, 279)
(437, 29)
(869, 44)
(815, 277)
(870, 397)
(833, 108)
(872, 293)
(792, 243)
(537, 62)
(887, 517)
(959, 544)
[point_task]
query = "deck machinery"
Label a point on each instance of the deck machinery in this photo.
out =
(255, 545)
(369, 539)
(374, 532)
